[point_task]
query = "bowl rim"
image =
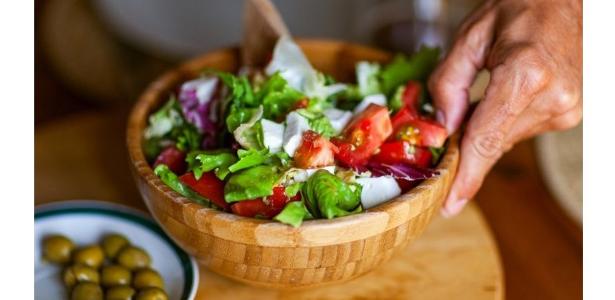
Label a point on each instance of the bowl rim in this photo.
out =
(371, 222)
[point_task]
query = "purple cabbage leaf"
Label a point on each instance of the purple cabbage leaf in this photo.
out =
(199, 99)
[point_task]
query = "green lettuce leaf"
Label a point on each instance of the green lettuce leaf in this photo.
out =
(249, 158)
(322, 126)
(402, 68)
(319, 104)
(281, 159)
(351, 95)
(165, 119)
(293, 214)
(319, 123)
(240, 90)
(396, 103)
(188, 137)
(293, 189)
(251, 183)
(328, 196)
(237, 116)
(169, 178)
(240, 104)
(152, 147)
(250, 134)
(200, 162)
(277, 97)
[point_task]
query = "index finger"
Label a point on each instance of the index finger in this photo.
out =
(451, 81)
(513, 84)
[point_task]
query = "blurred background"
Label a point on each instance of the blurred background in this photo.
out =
(93, 58)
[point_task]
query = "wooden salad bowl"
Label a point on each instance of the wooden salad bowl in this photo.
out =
(267, 253)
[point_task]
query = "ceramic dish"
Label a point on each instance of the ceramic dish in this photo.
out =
(85, 222)
(265, 253)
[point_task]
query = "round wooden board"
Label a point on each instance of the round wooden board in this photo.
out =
(84, 157)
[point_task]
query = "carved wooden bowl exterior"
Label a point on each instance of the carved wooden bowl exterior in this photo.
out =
(271, 254)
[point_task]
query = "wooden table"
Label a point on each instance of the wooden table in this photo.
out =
(84, 157)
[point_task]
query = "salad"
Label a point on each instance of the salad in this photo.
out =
(289, 143)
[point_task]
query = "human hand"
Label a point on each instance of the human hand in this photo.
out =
(533, 49)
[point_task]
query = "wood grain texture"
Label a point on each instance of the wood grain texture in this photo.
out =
(279, 255)
(454, 259)
(262, 26)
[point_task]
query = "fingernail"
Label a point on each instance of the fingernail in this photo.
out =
(440, 117)
(452, 208)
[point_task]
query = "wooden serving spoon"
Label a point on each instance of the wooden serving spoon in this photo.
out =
(262, 27)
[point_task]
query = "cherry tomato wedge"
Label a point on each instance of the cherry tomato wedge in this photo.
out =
(173, 158)
(418, 131)
(411, 95)
(208, 186)
(267, 208)
(314, 151)
(249, 208)
(402, 152)
(403, 116)
(362, 137)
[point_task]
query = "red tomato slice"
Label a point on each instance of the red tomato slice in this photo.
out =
(173, 158)
(362, 137)
(418, 131)
(403, 116)
(314, 151)
(347, 154)
(402, 152)
(276, 202)
(410, 96)
(208, 186)
(422, 132)
(267, 208)
(249, 208)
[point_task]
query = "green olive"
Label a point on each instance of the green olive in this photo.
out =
(87, 291)
(113, 243)
(145, 278)
(79, 273)
(120, 293)
(133, 258)
(57, 249)
(152, 294)
(113, 275)
(92, 256)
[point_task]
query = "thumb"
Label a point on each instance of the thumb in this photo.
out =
(450, 82)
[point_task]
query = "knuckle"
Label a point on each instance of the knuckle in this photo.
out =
(568, 120)
(533, 76)
(531, 72)
(565, 100)
(509, 110)
(488, 145)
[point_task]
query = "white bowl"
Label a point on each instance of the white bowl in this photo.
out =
(86, 222)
